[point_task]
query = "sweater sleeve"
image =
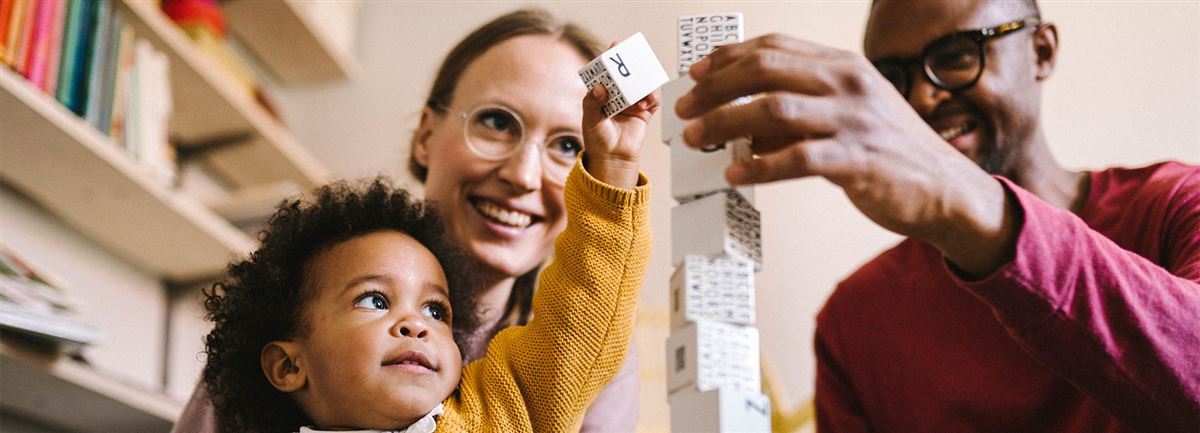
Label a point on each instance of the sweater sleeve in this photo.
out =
(541, 377)
(1123, 329)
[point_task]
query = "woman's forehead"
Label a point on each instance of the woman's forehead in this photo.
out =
(536, 76)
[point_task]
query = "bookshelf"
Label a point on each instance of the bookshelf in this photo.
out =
(47, 387)
(78, 173)
(292, 47)
(209, 105)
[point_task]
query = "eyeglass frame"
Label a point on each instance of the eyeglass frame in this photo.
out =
(466, 115)
(979, 36)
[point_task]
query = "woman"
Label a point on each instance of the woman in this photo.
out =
(509, 82)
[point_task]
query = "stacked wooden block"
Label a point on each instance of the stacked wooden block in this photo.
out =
(713, 378)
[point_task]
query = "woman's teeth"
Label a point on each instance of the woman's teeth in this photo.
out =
(504, 216)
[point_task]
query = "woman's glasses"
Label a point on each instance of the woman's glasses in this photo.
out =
(496, 133)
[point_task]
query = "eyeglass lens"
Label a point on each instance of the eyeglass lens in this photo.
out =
(496, 133)
(953, 63)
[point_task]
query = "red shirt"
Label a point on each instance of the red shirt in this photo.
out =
(1094, 326)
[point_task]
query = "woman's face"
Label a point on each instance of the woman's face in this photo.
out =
(504, 212)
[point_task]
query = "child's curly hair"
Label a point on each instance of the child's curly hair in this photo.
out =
(261, 298)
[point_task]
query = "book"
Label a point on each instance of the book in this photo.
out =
(70, 38)
(120, 99)
(35, 305)
(54, 57)
(75, 65)
(25, 35)
(6, 7)
(98, 62)
(13, 33)
(116, 25)
(34, 67)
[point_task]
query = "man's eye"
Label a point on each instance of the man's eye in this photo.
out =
(372, 301)
(436, 311)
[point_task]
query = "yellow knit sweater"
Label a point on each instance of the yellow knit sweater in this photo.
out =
(541, 377)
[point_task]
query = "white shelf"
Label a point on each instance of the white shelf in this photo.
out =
(293, 46)
(65, 393)
(69, 167)
(209, 104)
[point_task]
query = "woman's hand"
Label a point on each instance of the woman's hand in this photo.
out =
(612, 146)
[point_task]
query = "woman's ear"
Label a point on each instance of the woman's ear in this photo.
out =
(1045, 46)
(279, 364)
(420, 142)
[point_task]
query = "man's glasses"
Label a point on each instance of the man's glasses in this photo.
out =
(953, 62)
(496, 133)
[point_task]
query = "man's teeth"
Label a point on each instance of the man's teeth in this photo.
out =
(504, 216)
(952, 133)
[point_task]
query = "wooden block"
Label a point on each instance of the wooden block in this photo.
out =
(628, 71)
(707, 355)
(720, 289)
(720, 411)
(723, 224)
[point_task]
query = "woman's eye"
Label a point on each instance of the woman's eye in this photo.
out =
(372, 301)
(498, 121)
(435, 311)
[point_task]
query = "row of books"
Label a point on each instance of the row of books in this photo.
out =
(84, 54)
(36, 308)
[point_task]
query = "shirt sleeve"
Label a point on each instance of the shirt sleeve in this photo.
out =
(1122, 329)
(542, 377)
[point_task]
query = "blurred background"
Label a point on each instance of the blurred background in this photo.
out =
(110, 228)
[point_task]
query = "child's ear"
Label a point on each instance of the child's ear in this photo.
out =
(278, 360)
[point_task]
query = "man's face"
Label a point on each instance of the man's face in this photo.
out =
(992, 122)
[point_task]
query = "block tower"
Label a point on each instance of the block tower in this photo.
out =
(713, 378)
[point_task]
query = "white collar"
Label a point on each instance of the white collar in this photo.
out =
(424, 425)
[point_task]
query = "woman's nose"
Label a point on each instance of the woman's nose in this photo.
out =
(523, 170)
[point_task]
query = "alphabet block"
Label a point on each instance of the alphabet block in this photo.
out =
(706, 355)
(700, 35)
(720, 289)
(628, 71)
(720, 411)
(723, 224)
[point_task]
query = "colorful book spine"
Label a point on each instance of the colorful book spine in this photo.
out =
(26, 34)
(54, 56)
(12, 35)
(76, 93)
(120, 100)
(70, 40)
(97, 66)
(116, 26)
(6, 7)
(34, 66)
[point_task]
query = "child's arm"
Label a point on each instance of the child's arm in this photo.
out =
(542, 377)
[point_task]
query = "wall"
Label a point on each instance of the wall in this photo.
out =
(1125, 93)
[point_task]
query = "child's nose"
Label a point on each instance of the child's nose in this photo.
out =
(411, 328)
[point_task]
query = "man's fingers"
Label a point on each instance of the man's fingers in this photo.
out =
(729, 54)
(823, 157)
(786, 116)
(766, 70)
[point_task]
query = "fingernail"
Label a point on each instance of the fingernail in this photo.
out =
(693, 133)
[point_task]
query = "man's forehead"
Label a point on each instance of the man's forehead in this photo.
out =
(901, 28)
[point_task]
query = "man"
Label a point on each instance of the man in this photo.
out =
(1027, 297)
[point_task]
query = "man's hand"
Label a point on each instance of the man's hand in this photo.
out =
(826, 112)
(613, 146)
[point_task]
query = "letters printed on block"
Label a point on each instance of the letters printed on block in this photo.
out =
(706, 355)
(723, 224)
(628, 71)
(720, 289)
(700, 35)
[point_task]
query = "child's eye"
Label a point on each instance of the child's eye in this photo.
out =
(371, 301)
(436, 311)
